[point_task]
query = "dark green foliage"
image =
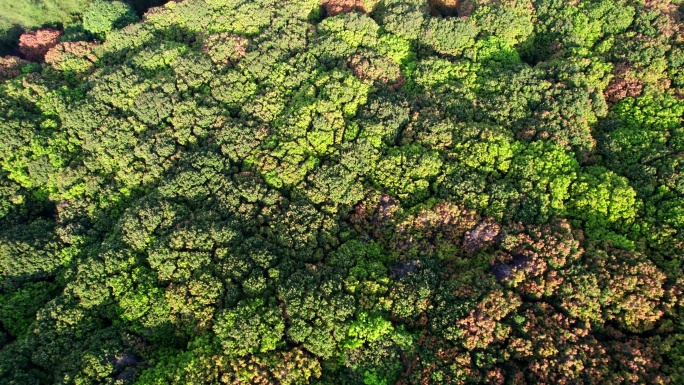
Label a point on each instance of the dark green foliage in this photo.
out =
(19, 307)
(30, 251)
(346, 192)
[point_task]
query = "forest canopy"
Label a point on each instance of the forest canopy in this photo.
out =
(345, 192)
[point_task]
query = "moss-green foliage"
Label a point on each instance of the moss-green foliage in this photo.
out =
(407, 191)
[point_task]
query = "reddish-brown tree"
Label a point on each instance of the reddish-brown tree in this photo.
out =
(10, 67)
(335, 7)
(34, 45)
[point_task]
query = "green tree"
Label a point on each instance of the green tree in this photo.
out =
(100, 17)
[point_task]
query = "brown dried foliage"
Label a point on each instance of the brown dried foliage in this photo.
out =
(10, 67)
(636, 361)
(634, 287)
(624, 84)
(378, 69)
(335, 7)
(374, 216)
(669, 21)
(483, 235)
(557, 349)
(482, 326)
(530, 260)
(34, 45)
(291, 367)
(62, 51)
(224, 48)
(439, 228)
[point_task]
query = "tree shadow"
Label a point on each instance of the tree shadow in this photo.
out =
(444, 8)
(9, 41)
(142, 6)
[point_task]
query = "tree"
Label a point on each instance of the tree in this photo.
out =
(34, 45)
(603, 200)
(103, 16)
(249, 329)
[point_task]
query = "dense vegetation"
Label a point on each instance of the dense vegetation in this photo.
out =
(353, 192)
